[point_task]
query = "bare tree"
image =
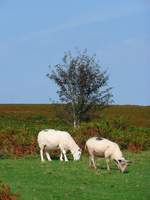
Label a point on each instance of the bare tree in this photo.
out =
(82, 84)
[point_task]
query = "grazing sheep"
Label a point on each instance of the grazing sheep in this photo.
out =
(51, 139)
(105, 148)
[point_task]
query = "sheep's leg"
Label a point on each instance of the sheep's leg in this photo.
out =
(61, 156)
(90, 163)
(63, 152)
(107, 158)
(41, 154)
(48, 156)
(92, 159)
(107, 163)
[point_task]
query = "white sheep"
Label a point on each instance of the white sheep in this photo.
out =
(102, 147)
(51, 139)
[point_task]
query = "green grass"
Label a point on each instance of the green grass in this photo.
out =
(56, 180)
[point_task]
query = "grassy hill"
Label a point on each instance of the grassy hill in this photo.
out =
(135, 115)
(19, 125)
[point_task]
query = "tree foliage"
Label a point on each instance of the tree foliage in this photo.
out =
(82, 83)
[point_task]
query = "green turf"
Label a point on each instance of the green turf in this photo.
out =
(75, 180)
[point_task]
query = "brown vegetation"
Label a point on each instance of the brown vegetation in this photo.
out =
(5, 193)
(20, 124)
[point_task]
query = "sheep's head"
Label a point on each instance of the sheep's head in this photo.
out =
(122, 164)
(77, 154)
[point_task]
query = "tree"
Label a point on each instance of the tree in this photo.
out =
(82, 84)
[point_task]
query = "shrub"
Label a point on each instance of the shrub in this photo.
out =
(120, 123)
(131, 139)
(16, 143)
(5, 192)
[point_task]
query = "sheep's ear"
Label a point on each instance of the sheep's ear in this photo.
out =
(121, 161)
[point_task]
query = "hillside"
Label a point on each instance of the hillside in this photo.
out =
(19, 125)
(135, 115)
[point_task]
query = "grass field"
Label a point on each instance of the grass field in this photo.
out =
(56, 180)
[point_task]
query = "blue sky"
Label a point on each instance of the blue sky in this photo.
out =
(35, 33)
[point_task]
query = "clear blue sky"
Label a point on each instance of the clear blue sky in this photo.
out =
(35, 33)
